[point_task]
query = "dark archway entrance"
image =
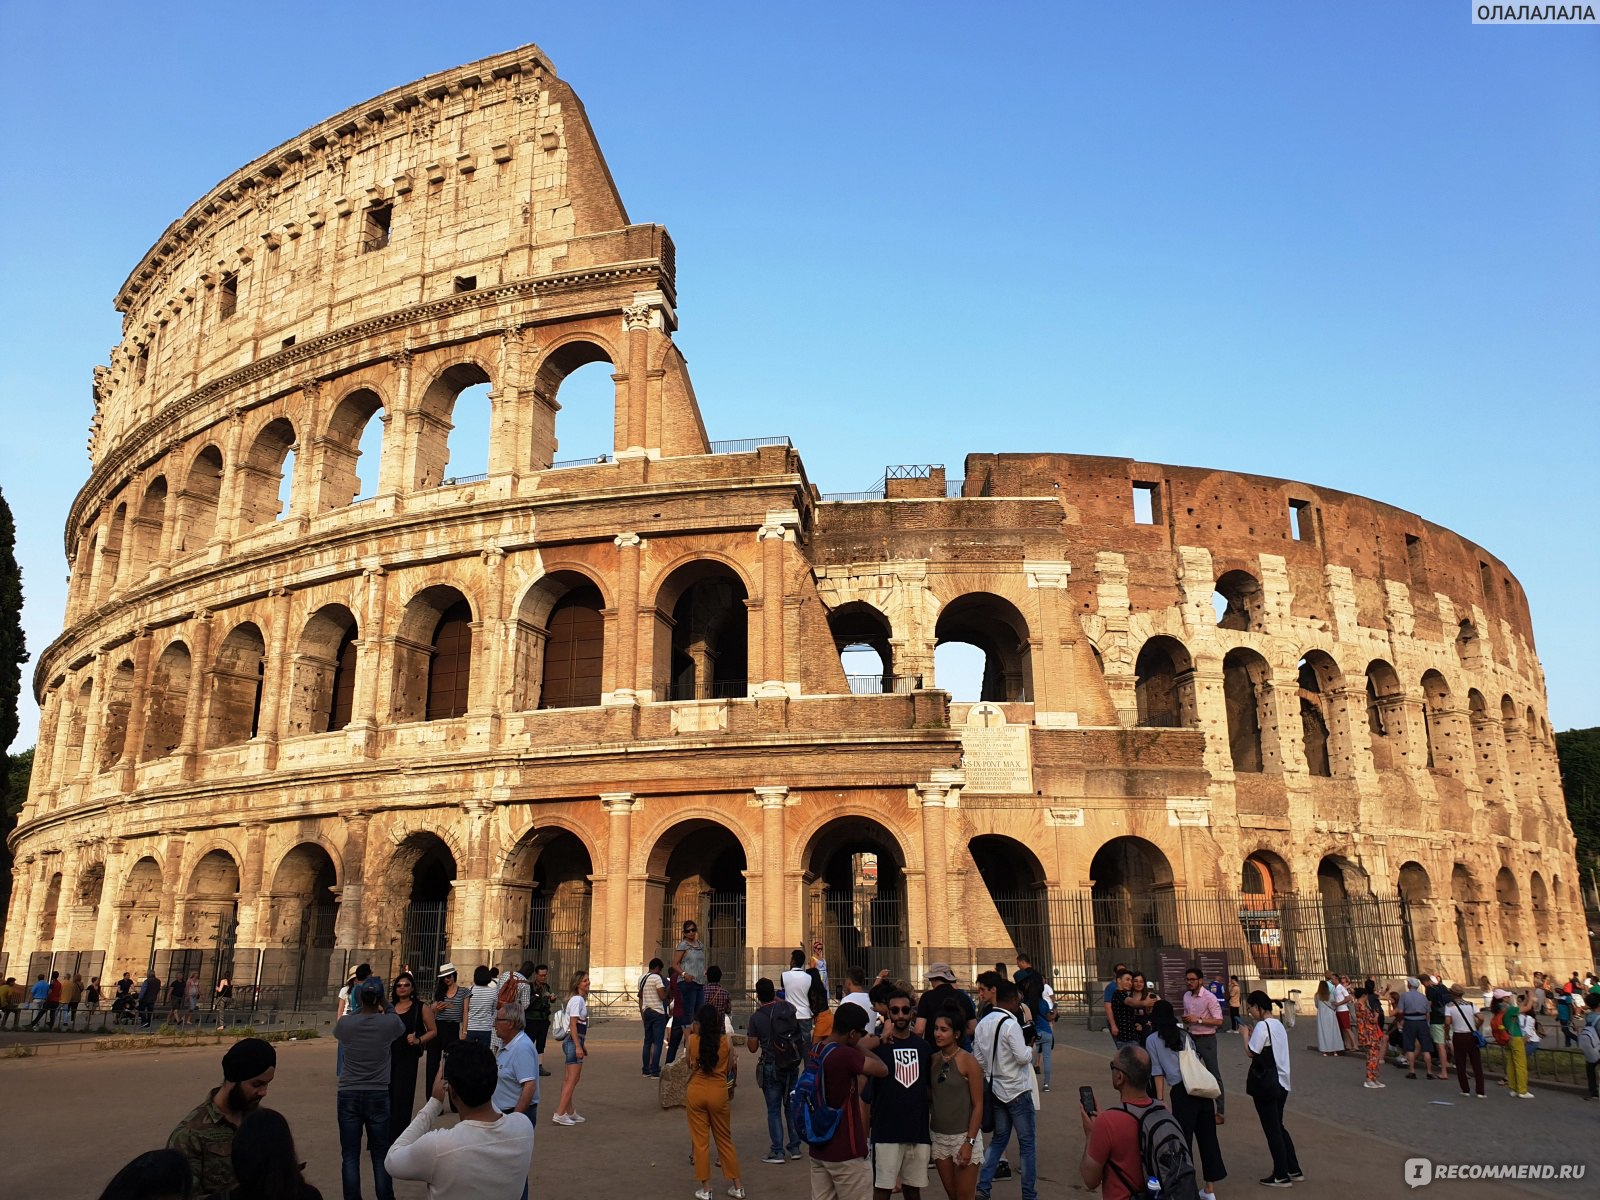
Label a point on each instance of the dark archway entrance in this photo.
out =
(425, 928)
(1134, 909)
(554, 868)
(305, 909)
(697, 873)
(856, 899)
(1015, 881)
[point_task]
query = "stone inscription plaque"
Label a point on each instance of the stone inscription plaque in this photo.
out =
(995, 756)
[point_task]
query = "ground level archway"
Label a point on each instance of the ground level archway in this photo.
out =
(552, 902)
(697, 873)
(856, 899)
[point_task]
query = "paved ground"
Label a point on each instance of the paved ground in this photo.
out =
(1349, 1138)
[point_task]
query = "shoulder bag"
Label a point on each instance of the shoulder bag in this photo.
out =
(990, 1102)
(1197, 1079)
(1262, 1078)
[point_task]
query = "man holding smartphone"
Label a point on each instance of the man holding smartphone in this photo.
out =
(1111, 1158)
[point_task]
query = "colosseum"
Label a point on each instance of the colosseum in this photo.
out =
(318, 699)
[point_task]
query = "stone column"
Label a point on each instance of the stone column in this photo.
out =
(89, 751)
(139, 708)
(227, 526)
(1052, 703)
(631, 422)
(773, 538)
(105, 923)
(56, 715)
(397, 449)
(251, 901)
(612, 972)
(39, 887)
(194, 710)
(773, 881)
(169, 912)
(348, 923)
(69, 866)
(488, 685)
(275, 677)
(942, 792)
(625, 653)
(364, 716)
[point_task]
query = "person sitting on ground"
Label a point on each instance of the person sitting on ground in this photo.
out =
(486, 1153)
(205, 1136)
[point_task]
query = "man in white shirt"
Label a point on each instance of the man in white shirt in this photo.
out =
(653, 1012)
(797, 991)
(483, 1157)
(1008, 1066)
(1340, 994)
(855, 992)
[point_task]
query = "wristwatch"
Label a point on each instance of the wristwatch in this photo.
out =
(972, 1141)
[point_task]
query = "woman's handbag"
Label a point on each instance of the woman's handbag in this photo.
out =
(1262, 1078)
(990, 1103)
(1198, 1081)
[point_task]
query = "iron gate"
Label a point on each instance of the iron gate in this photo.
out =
(558, 935)
(425, 941)
(864, 927)
(721, 918)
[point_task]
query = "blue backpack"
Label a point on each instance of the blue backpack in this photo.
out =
(815, 1119)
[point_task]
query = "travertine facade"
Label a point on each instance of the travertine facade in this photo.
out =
(557, 707)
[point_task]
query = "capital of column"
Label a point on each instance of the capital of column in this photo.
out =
(492, 556)
(619, 804)
(1047, 574)
(780, 524)
(628, 541)
(773, 797)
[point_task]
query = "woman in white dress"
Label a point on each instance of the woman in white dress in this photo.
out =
(1329, 1040)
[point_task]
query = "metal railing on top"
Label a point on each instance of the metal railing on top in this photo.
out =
(594, 460)
(455, 479)
(874, 685)
(745, 445)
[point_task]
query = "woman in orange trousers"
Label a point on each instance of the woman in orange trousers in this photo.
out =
(711, 1057)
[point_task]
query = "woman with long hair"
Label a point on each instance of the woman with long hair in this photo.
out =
(574, 1048)
(708, 1103)
(265, 1162)
(406, 1051)
(1329, 1040)
(821, 1016)
(955, 1108)
(154, 1175)
(449, 1005)
(1267, 1083)
(1197, 1115)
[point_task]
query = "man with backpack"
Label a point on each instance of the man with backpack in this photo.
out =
(1136, 1140)
(1007, 1063)
(653, 1012)
(774, 1034)
(1589, 1044)
(827, 1108)
(514, 989)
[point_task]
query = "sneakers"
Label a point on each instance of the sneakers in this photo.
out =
(1524, 1095)
(702, 1193)
(1003, 1171)
(574, 1119)
(562, 1119)
(737, 1192)
(1297, 1176)
(795, 1154)
(1274, 1181)
(774, 1157)
(1047, 1087)
(1373, 1083)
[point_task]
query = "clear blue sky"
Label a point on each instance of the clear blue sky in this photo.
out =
(1354, 244)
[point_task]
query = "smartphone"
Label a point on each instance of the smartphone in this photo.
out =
(1086, 1098)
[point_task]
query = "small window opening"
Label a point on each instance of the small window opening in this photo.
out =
(375, 234)
(1300, 521)
(227, 296)
(466, 283)
(1146, 503)
(1510, 595)
(1486, 578)
(288, 341)
(1414, 558)
(141, 365)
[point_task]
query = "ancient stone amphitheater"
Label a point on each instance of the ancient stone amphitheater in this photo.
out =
(319, 699)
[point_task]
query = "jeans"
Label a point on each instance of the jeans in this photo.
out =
(1044, 1042)
(1270, 1110)
(1206, 1048)
(1015, 1114)
(367, 1111)
(1465, 1049)
(655, 1030)
(693, 996)
(776, 1086)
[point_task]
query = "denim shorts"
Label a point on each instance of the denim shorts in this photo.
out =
(569, 1049)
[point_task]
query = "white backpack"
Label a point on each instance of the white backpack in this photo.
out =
(560, 1024)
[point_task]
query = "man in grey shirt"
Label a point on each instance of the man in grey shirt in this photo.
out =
(365, 1036)
(1414, 1031)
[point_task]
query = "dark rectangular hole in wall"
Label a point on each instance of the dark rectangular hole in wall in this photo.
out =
(1146, 503)
(288, 341)
(227, 296)
(1300, 521)
(466, 283)
(1486, 578)
(1414, 558)
(141, 365)
(375, 234)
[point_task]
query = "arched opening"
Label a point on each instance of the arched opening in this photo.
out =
(267, 475)
(305, 911)
(702, 634)
(997, 629)
(1015, 880)
(560, 643)
(197, 503)
(424, 871)
(1245, 677)
(119, 699)
(1340, 884)
(88, 894)
(75, 757)
(1508, 906)
(1539, 896)
(1238, 602)
(856, 897)
(1385, 715)
(1319, 676)
(1164, 685)
(167, 702)
(453, 431)
(146, 548)
(1435, 728)
(139, 910)
(433, 657)
(237, 679)
(1483, 741)
(861, 637)
(550, 877)
(322, 697)
(1468, 647)
(575, 425)
(697, 873)
(210, 921)
(353, 450)
(47, 915)
(1266, 902)
(1464, 900)
(105, 580)
(1131, 885)
(1416, 891)
(959, 667)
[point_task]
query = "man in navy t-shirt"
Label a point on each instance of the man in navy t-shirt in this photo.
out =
(901, 1147)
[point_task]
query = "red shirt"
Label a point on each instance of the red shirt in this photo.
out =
(839, 1071)
(1115, 1139)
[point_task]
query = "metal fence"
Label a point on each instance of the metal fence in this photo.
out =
(862, 926)
(425, 940)
(721, 920)
(558, 936)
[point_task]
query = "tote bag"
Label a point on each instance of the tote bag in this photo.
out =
(1198, 1081)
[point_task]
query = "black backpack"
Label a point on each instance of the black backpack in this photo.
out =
(1164, 1154)
(783, 1045)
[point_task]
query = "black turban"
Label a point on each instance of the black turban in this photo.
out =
(248, 1058)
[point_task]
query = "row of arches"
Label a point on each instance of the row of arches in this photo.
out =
(295, 463)
(1328, 710)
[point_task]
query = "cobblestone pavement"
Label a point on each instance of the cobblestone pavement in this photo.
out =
(1349, 1138)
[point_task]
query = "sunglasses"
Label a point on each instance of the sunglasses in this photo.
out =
(900, 1008)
